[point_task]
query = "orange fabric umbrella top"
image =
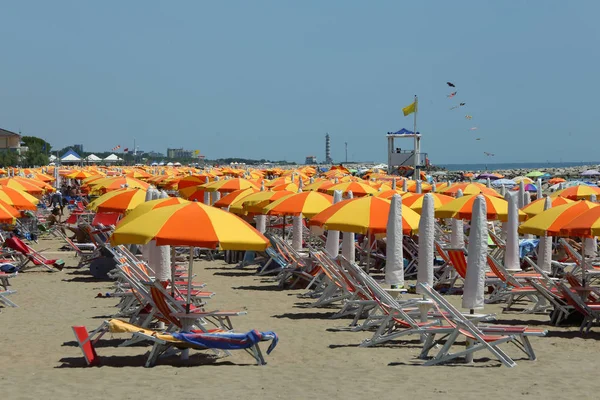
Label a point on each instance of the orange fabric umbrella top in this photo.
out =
(462, 208)
(551, 221)
(257, 201)
(23, 185)
(387, 194)
(18, 199)
(308, 204)
(415, 202)
(366, 214)
(578, 192)
(8, 214)
(121, 200)
(170, 225)
(232, 197)
(554, 181)
(358, 189)
(536, 207)
(586, 224)
(228, 185)
(470, 189)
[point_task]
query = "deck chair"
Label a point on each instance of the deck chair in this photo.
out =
(511, 288)
(86, 252)
(163, 341)
(592, 270)
(589, 311)
(483, 337)
(30, 255)
(4, 290)
(562, 310)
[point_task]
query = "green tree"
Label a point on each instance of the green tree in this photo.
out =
(37, 152)
(9, 158)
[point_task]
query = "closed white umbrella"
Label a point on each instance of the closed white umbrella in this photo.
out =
(348, 250)
(394, 184)
(206, 194)
(539, 188)
(332, 245)
(394, 253)
(261, 220)
(297, 228)
(404, 185)
(545, 246)
(591, 244)
(216, 195)
(511, 255)
(426, 237)
(457, 234)
(503, 190)
(521, 198)
(433, 187)
(473, 295)
(488, 182)
(419, 186)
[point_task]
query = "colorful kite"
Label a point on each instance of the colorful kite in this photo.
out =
(473, 128)
(451, 95)
(488, 154)
(450, 84)
(468, 117)
(460, 105)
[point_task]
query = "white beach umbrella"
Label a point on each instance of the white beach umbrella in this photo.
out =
(511, 254)
(206, 194)
(457, 232)
(474, 288)
(539, 188)
(216, 195)
(394, 184)
(503, 190)
(521, 198)
(488, 182)
(348, 250)
(332, 245)
(591, 244)
(433, 187)
(405, 185)
(261, 220)
(297, 228)
(419, 186)
(545, 246)
(394, 255)
(426, 238)
(159, 257)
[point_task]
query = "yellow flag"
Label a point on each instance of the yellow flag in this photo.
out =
(410, 109)
(196, 152)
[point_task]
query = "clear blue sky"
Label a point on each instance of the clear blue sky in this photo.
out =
(267, 79)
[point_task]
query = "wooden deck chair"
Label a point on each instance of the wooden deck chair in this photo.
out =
(589, 311)
(490, 338)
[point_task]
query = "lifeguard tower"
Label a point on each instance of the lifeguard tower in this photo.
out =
(399, 157)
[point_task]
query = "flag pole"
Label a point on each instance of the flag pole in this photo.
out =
(416, 150)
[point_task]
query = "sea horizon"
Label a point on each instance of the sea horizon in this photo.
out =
(504, 166)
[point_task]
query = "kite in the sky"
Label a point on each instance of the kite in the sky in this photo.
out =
(460, 105)
(488, 154)
(450, 84)
(478, 138)
(451, 95)
(473, 128)
(468, 117)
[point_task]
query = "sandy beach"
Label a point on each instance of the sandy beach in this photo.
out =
(40, 358)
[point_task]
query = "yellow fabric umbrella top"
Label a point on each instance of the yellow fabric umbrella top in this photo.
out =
(367, 214)
(228, 185)
(415, 202)
(191, 224)
(469, 189)
(462, 208)
(536, 207)
(18, 199)
(358, 189)
(578, 192)
(121, 201)
(553, 220)
(308, 204)
(257, 201)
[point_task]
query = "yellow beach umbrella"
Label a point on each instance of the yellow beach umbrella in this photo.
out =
(308, 204)
(18, 199)
(358, 189)
(415, 202)
(121, 200)
(536, 207)
(462, 208)
(255, 202)
(551, 221)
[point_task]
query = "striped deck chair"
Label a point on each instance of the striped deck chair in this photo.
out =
(589, 311)
(458, 261)
(165, 341)
(30, 255)
(483, 336)
(513, 286)
(592, 269)
(561, 308)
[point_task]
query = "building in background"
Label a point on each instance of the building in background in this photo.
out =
(180, 153)
(10, 141)
(78, 148)
(310, 160)
(328, 159)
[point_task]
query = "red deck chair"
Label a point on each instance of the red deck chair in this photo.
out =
(32, 255)
(86, 345)
(105, 219)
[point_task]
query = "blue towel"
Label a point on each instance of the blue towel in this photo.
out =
(229, 341)
(527, 246)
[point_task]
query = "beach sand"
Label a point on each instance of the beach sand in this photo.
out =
(40, 359)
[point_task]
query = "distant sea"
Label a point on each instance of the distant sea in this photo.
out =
(501, 166)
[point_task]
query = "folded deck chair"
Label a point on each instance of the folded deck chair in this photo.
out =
(590, 311)
(4, 299)
(184, 340)
(31, 255)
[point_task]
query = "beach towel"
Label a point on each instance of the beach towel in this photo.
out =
(229, 341)
(527, 246)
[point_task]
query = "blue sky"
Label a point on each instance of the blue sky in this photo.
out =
(267, 79)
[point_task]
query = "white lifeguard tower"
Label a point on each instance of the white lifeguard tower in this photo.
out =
(399, 157)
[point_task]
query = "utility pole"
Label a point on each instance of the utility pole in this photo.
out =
(346, 144)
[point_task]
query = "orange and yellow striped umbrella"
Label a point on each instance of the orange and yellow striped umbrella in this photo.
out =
(366, 214)
(586, 224)
(148, 206)
(415, 202)
(228, 185)
(232, 197)
(290, 187)
(8, 214)
(308, 204)
(115, 183)
(121, 200)
(257, 201)
(412, 186)
(358, 189)
(470, 189)
(170, 225)
(321, 185)
(462, 208)
(551, 221)
(80, 175)
(138, 174)
(389, 193)
(578, 192)
(18, 199)
(536, 207)
(23, 185)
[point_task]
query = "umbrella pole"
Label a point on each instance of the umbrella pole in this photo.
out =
(283, 228)
(173, 266)
(189, 282)
(368, 252)
(582, 262)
